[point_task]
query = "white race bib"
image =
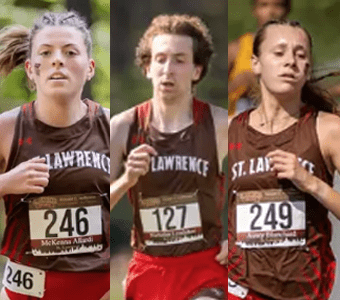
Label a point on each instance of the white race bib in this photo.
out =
(171, 219)
(237, 290)
(271, 218)
(66, 224)
(24, 280)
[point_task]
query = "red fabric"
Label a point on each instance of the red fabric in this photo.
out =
(71, 286)
(168, 278)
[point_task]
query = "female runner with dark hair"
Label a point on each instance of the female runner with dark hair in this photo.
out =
(281, 162)
(54, 155)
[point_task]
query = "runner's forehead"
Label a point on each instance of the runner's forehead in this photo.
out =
(285, 35)
(173, 44)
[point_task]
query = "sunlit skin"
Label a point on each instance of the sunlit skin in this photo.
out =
(265, 10)
(283, 65)
(59, 66)
(172, 67)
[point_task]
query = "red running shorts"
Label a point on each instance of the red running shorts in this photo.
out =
(71, 286)
(169, 278)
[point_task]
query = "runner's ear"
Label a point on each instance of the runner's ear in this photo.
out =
(256, 65)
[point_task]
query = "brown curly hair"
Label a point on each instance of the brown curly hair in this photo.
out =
(191, 26)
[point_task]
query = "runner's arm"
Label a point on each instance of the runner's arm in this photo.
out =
(220, 116)
(286, 164)
(31, 176)
(137, 162)
(233, 48)
(119, 130)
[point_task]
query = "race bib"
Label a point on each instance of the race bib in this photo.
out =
(24, 280)
(271, 218)
(66, 224)
(171, 219)
(237, 290)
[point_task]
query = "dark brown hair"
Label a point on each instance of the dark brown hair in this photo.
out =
(16, 41)
(311, 94)
(191, 26)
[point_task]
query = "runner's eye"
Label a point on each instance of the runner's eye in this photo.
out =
(71, 53)
(45, 53)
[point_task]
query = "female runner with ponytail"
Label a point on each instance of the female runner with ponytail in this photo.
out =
(281, 162)
(54, 160)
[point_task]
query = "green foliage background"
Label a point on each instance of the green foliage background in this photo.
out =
(14, 90)
(320, 18)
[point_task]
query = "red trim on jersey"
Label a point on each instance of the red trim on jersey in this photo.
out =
(17, 241)
(8, 242)
(24, 108)
(30, 108)
(312, 285)
(199, 110)
(143, 113)
(304, 292)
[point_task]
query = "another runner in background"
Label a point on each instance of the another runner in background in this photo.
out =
(281, 162)
(172, 147)
(240, 76)
(55, 164)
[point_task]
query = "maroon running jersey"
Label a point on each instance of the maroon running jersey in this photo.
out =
(177, 205)
(279, 237)
(66, 228)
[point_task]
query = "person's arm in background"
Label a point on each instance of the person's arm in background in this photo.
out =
(232, 53)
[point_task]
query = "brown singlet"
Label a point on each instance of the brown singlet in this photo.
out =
(79, 163)
(177, 206)
(279, 238)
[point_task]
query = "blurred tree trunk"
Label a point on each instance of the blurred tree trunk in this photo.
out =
(120, 32)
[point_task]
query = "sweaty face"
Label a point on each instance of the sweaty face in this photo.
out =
(59, 64)
(265, 10)
(283, 64)
(172, 68)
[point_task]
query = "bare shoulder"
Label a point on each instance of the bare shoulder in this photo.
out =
(119, 128)
(8, 120)
(122, 121)
(7, 125)
(328, 124)
(328, 130)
